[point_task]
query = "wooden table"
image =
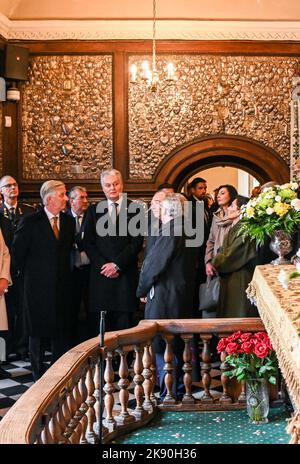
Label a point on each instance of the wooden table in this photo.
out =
(279, 310)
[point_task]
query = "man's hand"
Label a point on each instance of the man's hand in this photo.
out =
(109, 270)
(210, 270)
(3, 286)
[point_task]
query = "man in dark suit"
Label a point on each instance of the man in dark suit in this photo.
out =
(198, 188)
(80, 264)
(167, 280)
(41, 252)
(12, 210)
(113, 253)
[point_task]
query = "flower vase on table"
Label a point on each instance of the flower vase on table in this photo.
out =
(281, 245)
(257, 400)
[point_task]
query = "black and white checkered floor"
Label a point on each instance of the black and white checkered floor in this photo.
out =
(21, 379)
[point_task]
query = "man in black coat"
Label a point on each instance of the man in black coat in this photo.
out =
(41, 252)
(80, 265)
(12, 210)
(167, 279)
(113, 253)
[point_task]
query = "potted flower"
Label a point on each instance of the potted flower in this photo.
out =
(274, 213)
(252, 359)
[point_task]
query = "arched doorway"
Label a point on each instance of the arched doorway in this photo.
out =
(251, 156)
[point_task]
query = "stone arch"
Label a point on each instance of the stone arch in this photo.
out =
(240, 152)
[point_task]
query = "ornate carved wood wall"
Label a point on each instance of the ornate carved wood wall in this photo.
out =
(79, 114)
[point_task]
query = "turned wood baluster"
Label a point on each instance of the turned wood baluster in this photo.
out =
(169, 368)
(187, 369)
(67, 417)
(109, 389)
(90, 401)
(124, 417)
(147, 374)
(225, 398)
(72, 407)
(83, 409)
(153, 377)
(55, 428)
(242, 397)
(97, 396)
(77, 416)
(138, 380)
(62, 422)
(46, 435)
(206, 367)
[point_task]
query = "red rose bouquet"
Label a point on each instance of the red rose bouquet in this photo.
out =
(250, 355)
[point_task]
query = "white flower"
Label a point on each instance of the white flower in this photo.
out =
(296, 204)
(294, 185)
(278, 198)
(283, 279)
(284, 186)
(269, 211)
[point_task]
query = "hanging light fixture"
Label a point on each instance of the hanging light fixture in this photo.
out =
(147, 75)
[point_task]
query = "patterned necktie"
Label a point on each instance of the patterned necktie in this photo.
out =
(78, 224)
(12, 214)
(55, 228)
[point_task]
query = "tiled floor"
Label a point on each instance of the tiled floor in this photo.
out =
(11, 389)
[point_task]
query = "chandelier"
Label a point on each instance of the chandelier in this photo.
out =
(150, 76)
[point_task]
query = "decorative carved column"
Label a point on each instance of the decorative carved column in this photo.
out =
(139, 412)
(169, 369)
(206, 368)
(124, 417)
(147, 374)
(225, 398)
(109, 389)
(187, 368)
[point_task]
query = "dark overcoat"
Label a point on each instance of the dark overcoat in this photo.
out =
(168, 276)
(235, 263)
(44, 263)
(107, 294)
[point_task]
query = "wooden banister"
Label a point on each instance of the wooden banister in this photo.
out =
(37, 416)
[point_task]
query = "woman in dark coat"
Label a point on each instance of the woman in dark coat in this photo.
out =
(235, 263)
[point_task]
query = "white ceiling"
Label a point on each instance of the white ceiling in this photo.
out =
(136, 9)
(132, 19)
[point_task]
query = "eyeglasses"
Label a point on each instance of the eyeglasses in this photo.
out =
(13, 184)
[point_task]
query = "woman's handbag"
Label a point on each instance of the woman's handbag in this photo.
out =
(209, 295)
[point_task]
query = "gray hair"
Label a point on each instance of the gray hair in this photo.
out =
(3, 180)
(74, 189)
(110, 172)
(174, 204)
(48, 187)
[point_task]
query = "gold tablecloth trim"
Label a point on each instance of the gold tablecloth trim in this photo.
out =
(283, 334)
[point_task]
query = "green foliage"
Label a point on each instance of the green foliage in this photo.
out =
(276, 208)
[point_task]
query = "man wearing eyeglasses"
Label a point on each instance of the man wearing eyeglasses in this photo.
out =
(11, 211)
(11, 207)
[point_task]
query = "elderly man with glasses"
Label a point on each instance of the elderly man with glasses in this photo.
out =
(11, 211)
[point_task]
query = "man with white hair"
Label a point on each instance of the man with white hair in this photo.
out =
(113, 256)
(41, 251)
(167, 280)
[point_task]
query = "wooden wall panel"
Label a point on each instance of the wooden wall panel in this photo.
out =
(121, 51)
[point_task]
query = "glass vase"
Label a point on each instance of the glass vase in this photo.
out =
(281, 245)
(257, 400)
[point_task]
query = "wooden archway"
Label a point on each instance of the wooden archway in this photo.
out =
(240, 152)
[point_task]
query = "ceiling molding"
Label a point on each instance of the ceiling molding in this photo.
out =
(166, 30)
